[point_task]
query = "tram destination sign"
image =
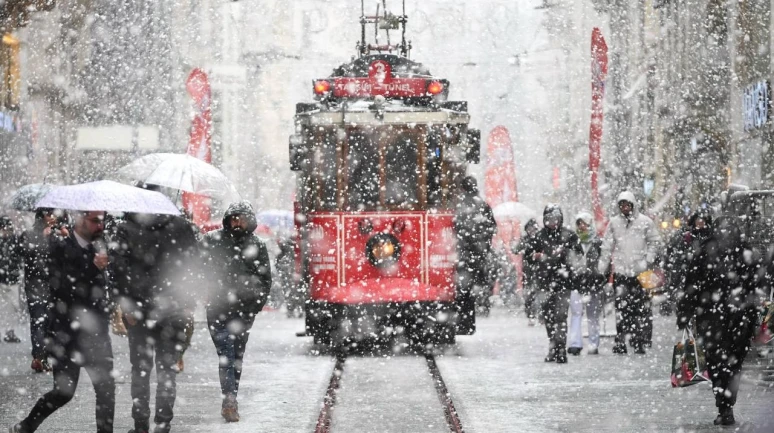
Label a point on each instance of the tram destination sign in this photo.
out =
(756, 105)
(358, 87)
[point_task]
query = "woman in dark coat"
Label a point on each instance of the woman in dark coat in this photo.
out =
(719, 296)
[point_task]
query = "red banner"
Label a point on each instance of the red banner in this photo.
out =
(501, 192)
(198, 86)
(598, 75)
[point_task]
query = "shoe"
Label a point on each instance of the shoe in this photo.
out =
(10, 337)
(620, 349)
(725, 417)
(639, 350)
(574, 351)
(230, 410)
(531, 322)
(40, 365)
(180, 366)
(17, 429)
(561, 356)
(138, 431)
(593, 351)
(551, 357)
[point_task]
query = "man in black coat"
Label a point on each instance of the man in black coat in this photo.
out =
(475, 226)
(552, 250)
(530, 269)
(9, 277)
(79, 324)
(153, 266)
(238, 273)
(720, 296)
(33, 251)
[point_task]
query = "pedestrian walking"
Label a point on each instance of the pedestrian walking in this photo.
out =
(553, 250)
(238, 279)
(719, 297)
(79, 323)
(530, 269)
(285, 264)
(630, 246)
(9, 280)
(154, 268)
(475, 226)
(589, 287)
(33, 250)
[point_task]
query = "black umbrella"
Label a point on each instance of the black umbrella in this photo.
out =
(27, 197)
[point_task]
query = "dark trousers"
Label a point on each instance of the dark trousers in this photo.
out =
(99, 366)
(530, 299)
(554, 310)
(631, 312)
(38, 309)
(725, 344)
(230, 334)
(161, 345)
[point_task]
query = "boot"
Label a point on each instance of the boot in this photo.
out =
(230, 410)
(551, 357)
(639, 350)
(619, 349)
(18, 428)
(561, 356)
(10, 337)
(725, 417)
(574, 351)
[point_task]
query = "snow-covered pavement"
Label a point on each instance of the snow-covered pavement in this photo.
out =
(497, 379)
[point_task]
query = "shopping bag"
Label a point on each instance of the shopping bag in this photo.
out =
(764, 335)
(688, 363)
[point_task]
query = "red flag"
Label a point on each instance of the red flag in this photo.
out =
(598, 75)
(501, 189)
(198, 86)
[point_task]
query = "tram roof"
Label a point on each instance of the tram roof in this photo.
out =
(401, 66)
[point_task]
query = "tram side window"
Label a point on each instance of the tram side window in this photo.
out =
(363, 172)
(325, 163)
(401, 172)
(434, 164)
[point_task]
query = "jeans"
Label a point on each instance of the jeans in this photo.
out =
(593, 311)
(99, 366)
(160, 344)
(630, 312)
(230, 333)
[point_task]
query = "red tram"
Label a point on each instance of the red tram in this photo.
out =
(379, 156)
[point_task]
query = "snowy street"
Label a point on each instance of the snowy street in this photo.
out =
(497, 380)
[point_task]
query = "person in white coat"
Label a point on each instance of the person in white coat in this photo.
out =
(630, 246)
(589, 287)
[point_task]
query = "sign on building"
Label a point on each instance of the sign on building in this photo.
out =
(756, 105)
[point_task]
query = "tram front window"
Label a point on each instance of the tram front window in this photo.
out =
(401, 173)
(363, 172)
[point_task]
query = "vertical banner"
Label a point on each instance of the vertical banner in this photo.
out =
(598, 75)
(501, 193)
(198, 86)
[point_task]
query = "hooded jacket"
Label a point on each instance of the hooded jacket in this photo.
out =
(154, 265)
(630, 244)
(32, 248)
(238, 269)
(557, 247)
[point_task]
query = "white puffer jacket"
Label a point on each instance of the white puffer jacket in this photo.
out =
(631, 244)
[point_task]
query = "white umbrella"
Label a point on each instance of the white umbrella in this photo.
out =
(109, 196)
(514, 210)
(26, 197)
(181, 172)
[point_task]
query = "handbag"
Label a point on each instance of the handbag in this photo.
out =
(689, 365)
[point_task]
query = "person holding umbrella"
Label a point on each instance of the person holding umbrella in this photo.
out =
(153, 270)
(79, 323)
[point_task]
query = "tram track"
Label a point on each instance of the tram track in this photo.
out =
(325, 417)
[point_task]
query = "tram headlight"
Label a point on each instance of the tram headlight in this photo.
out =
(435, 88)
(383, 249)
(321, 87)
